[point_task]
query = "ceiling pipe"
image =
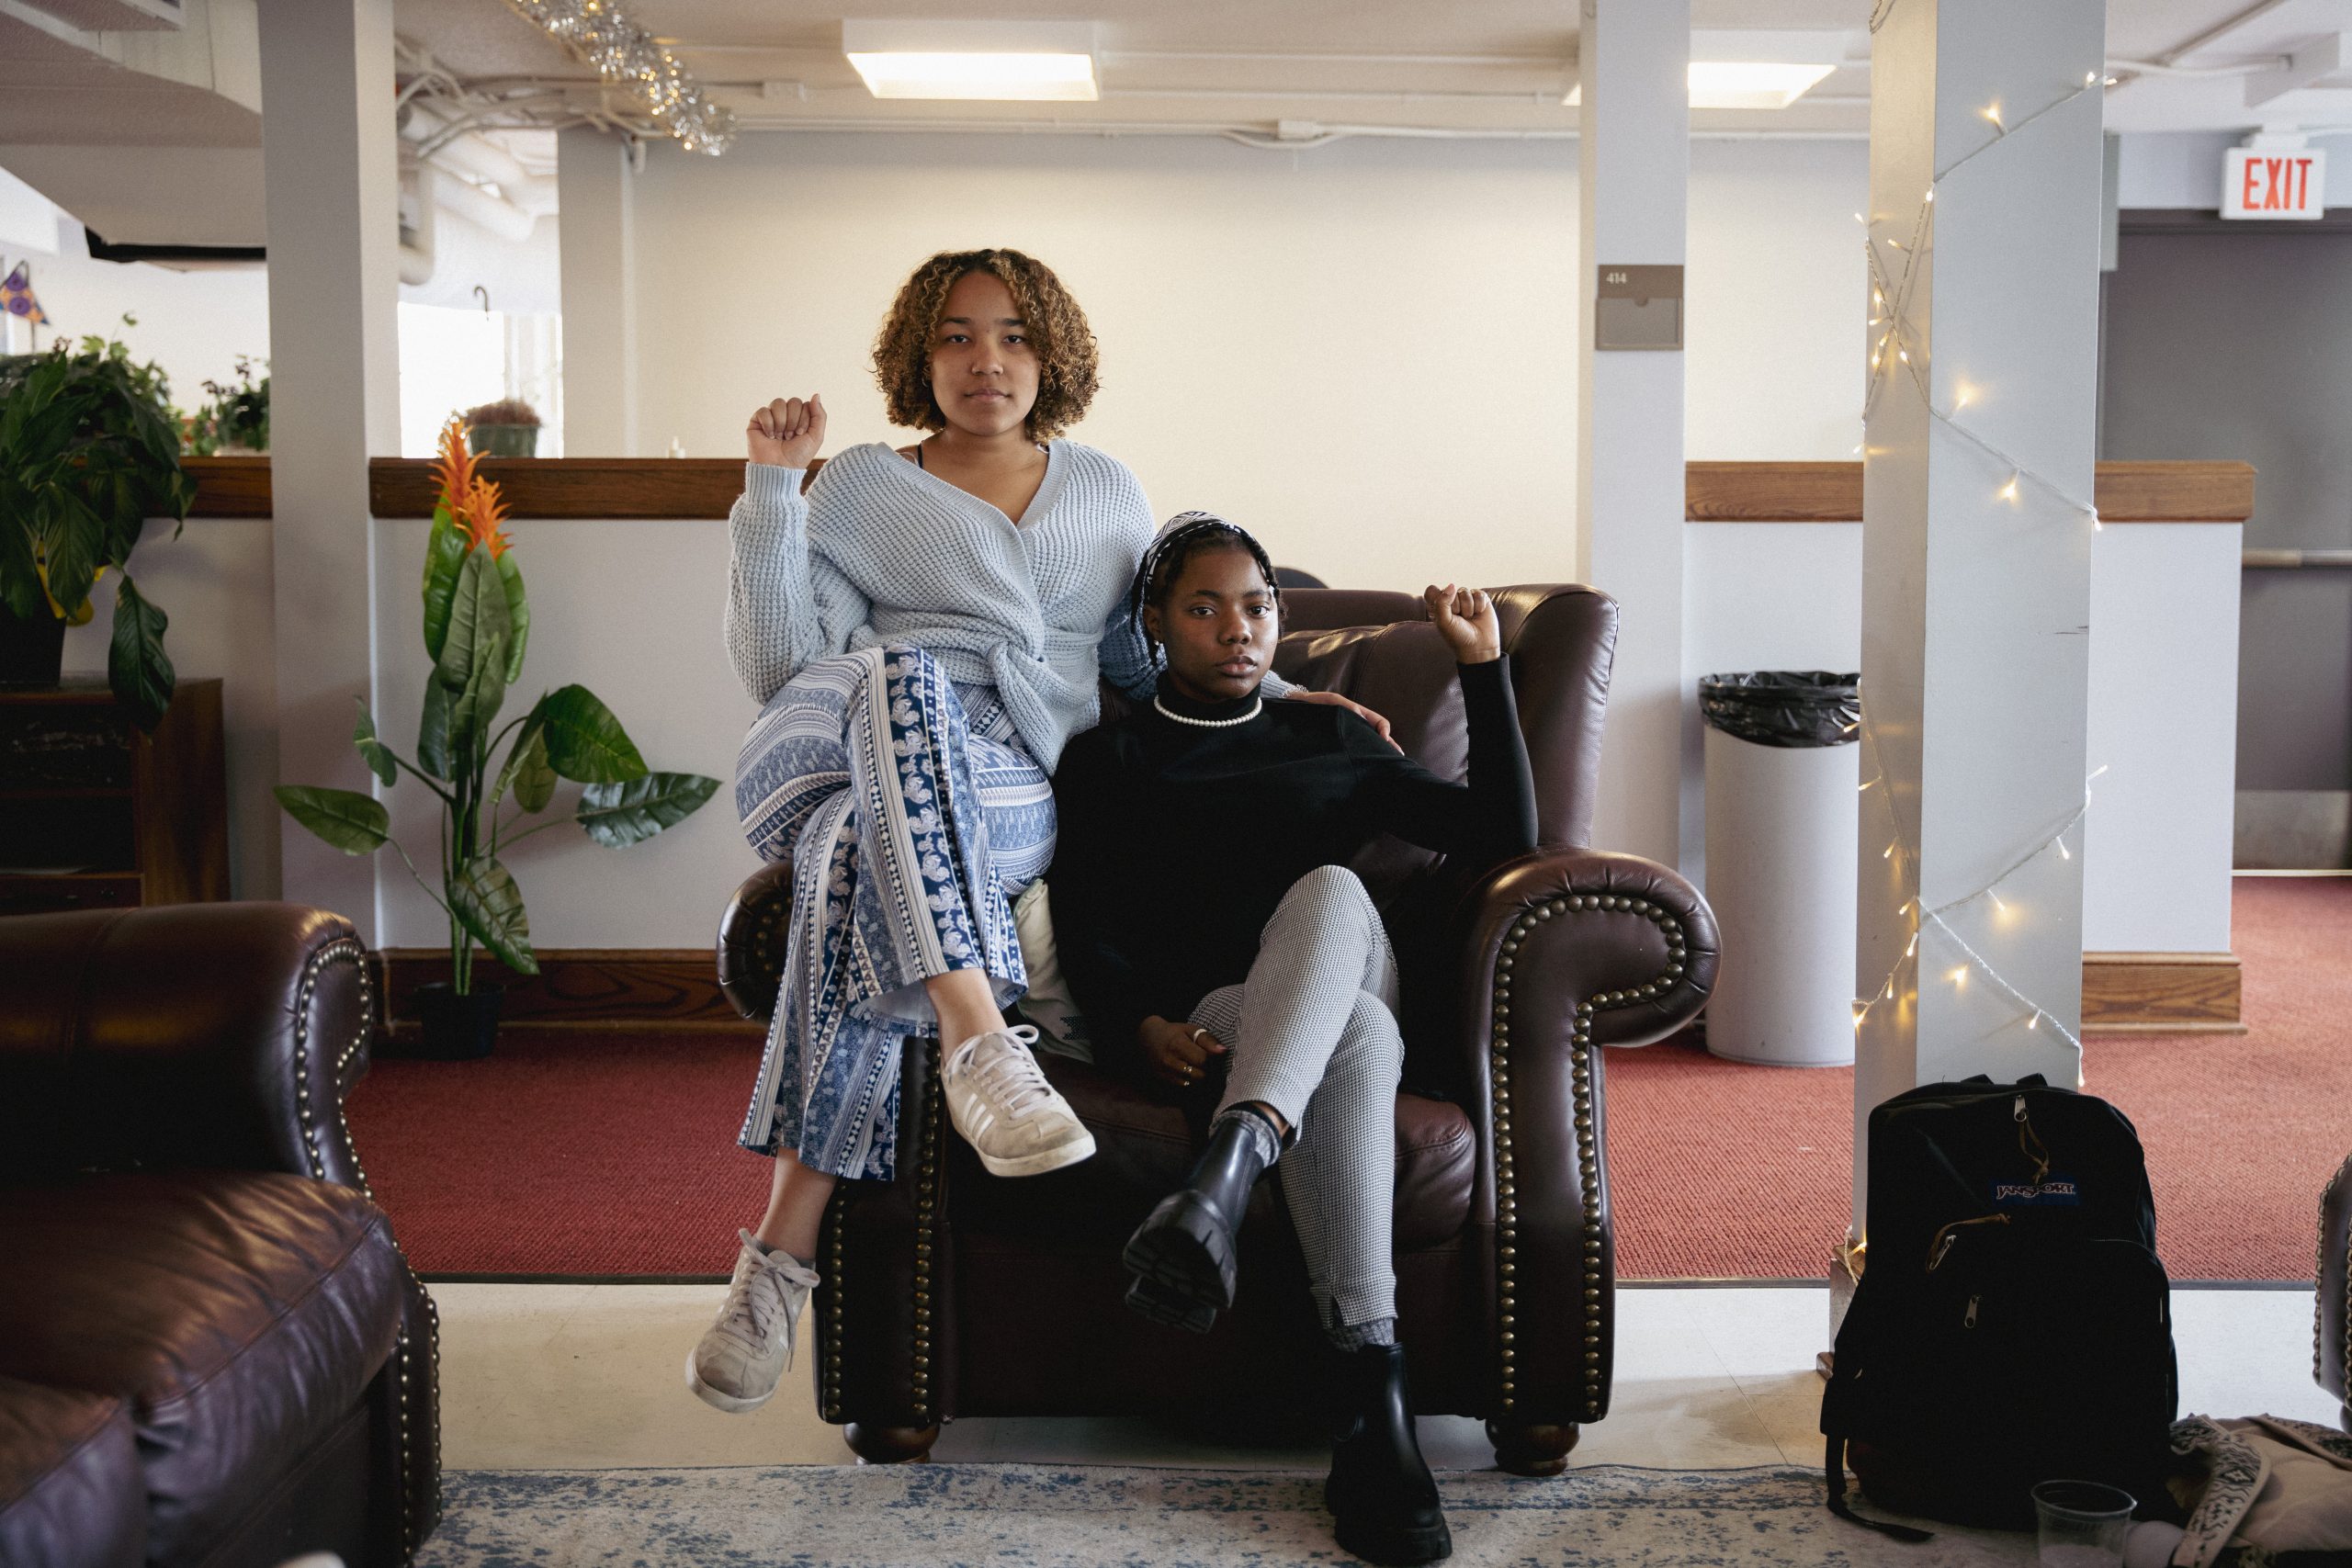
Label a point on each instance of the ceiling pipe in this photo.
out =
(479, 160)
(2214, 35)
(416, 243)
(477, 206)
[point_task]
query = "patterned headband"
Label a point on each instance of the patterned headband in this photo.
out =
(1181, 529)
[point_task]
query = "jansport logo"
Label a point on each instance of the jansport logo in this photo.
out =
(2057, 1189)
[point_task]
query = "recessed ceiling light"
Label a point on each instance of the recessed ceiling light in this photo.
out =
(973, 60)
(1751, 83)
(1742, 84)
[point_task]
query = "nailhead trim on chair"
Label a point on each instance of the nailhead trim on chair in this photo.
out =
(927, 1168)
(926, 1214)
(2342, 1184)
(829, 1384)
(349, 950)
(1587, 1152)
(769, 945)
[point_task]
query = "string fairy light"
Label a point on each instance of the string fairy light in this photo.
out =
(1928, 919)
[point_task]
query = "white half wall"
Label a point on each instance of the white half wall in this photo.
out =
(624, 609)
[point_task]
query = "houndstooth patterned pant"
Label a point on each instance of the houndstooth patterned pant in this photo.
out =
(912, 816)
(1313, 1034)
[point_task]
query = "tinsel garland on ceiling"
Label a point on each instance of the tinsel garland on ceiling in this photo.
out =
(599, 33)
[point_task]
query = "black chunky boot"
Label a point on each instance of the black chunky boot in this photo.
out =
(1382, 1499)
(1183, 1257)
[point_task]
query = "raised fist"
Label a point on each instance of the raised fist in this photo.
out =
(1466, 618)
(788, 432)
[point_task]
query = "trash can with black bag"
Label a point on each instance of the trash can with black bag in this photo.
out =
(1782, 782)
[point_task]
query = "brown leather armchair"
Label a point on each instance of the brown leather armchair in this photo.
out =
(951, 1293)
(211, 1350)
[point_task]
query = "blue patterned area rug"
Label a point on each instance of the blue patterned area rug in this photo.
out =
(1013, 1516)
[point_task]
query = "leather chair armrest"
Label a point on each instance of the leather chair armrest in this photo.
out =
(196, 1034)
(1565, 950)
(751, 940)
(1578, 926)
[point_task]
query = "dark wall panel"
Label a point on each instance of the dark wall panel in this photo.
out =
(2238, 344)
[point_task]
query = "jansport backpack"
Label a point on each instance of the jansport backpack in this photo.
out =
(2012, 1324)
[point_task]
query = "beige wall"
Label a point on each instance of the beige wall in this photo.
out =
(1367, 351)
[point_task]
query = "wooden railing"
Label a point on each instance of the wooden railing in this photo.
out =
(543, 487)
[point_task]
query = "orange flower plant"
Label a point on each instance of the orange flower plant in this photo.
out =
(477, 625)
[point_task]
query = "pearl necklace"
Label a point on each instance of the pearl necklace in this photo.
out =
(1255, 709)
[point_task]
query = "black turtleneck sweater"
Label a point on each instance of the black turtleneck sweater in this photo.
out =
(1176, 841)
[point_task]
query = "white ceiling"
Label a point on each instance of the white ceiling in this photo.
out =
(1494, 65)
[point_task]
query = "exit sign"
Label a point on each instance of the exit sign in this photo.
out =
(2286, 182)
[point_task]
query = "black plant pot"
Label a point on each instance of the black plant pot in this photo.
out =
(33, 653)
(456, 1028)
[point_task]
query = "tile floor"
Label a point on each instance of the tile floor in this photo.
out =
(593, 1377)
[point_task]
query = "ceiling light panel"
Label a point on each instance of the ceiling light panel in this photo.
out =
(1053, 61)
(1741, 84)
(1751, 83)
(1763, 68)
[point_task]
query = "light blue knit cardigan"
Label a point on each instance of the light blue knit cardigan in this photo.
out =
(881, 552)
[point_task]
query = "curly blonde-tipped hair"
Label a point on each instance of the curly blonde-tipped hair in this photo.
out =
(1057, 332)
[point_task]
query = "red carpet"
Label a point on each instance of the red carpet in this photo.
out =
(604, 1154)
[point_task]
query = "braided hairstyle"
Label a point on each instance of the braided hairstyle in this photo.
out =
(1187, 534)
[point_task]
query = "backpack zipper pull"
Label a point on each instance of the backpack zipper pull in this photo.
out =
(1970, 1321)
(2017, 1109)
(1945, 1238)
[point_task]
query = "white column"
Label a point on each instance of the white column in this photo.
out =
(596, 193)
(1976, 542)
(333, 186)
(1632, 61)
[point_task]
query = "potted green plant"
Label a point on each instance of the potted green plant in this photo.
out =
(507, 428)
(236, 419)
(88, 452)
(477, 622)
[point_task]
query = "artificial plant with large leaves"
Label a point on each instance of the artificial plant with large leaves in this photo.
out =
(88, 452)
(477, 623)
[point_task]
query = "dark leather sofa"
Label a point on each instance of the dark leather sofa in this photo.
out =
(211, 1352)
(950, 1292)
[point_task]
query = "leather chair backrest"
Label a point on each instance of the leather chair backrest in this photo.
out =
(1380, 649)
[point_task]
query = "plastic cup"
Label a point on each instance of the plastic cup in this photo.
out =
(2081, 1524)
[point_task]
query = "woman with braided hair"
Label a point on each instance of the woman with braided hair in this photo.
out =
(1227, 957)
(924, 627)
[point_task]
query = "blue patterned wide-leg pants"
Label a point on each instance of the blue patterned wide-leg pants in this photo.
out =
(912, 816)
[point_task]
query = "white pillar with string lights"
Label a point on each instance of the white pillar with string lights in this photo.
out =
(1984, 234)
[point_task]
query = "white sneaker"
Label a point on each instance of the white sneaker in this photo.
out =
(1005, 1109)
(736, 1367)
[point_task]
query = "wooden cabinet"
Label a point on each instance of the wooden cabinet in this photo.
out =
(95, 815)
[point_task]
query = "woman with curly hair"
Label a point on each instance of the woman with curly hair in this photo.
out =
(924, 627)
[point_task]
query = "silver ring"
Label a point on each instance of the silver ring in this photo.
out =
(1196, 1035)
